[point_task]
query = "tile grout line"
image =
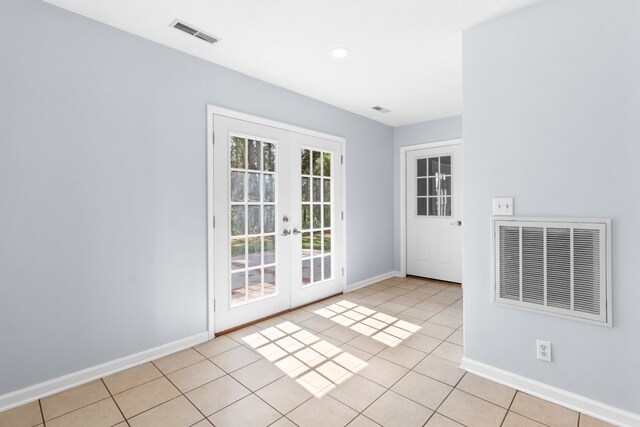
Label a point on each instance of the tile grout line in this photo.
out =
(183, 394)
(44, 423)
(455, 387)
(114, 401)
(509, 408)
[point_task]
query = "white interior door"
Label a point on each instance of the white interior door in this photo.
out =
(434, 213)
(276, 243)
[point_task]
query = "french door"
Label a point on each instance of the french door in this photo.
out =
(277, 237)
(434, 213)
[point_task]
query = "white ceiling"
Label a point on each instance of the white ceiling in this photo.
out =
(406, 54)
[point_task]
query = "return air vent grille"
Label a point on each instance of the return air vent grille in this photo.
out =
(193, 31)
(556, 266)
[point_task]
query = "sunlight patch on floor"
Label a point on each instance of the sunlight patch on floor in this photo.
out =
(314, 363)
(381, 327)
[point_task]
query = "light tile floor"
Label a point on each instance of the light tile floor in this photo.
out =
(387, 354)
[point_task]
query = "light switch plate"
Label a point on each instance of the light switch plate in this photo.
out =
(503, 206)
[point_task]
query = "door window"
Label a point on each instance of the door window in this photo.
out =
(253, 205)
(434, 186)
(316, 210)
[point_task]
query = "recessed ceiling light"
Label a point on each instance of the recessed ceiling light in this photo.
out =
(340, 52)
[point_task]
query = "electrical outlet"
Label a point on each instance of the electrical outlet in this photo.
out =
(544, 350)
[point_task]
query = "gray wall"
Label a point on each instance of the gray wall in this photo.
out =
(102, 189)
(551, 117)
(419, 133)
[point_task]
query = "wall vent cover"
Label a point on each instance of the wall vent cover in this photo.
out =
(193, 31)
(558, 266)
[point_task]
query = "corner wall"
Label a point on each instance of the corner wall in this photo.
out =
(551, 117)
(102, 189)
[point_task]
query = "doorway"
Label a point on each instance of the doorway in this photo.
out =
(276, 231)
(431, 245)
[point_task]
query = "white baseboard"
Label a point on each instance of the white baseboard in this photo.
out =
(47, 388)
(371, 280)
(579, 403)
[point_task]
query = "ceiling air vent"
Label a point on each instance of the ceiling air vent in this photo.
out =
(380, 109)
(193, 31)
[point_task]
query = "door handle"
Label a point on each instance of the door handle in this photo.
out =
(296, 231)
(285, 232)
(458, 223)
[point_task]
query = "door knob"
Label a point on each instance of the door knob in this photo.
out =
(458, 223)
(296, 231)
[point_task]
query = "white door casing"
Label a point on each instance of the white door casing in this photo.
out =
(242, 261)
(434, 213)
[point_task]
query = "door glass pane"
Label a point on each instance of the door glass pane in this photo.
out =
(432, 187)
(238, 254)
(445, 165)
(327, 216)
(269, 219)
(254, 251)
(445, 185)
(253, 155)
(255, 284)
(306, 245)
(317, 165)
(422, 186)
(422, 206)
(433, 206)
(306, 271)
(252, 218)
(270, 249)
(237, 220)
(238, 288)
(236, 155)
(317, 269)
(327, 241)
(269, 157)
(305, 189)
(237, 186)
(445, 208)
(316, 245)
(269, 187)
(433, 166)
(326, 190)
(254, 187)
(306, 217)
(317, 218)
(269, 281)
(327, 267)
(422, 167)
(326, 164)
(305, 162)
(316, 189)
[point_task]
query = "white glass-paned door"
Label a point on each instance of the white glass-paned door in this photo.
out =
(434, 213)
(277, 243)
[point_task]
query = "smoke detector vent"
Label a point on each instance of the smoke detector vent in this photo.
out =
(193, 31)
(380, 109)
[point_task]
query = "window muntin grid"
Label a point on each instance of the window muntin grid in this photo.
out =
(253, 209)
(317, 215)
(434, 186)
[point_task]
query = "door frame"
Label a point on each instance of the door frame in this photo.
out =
(403, 190)
(210, 188)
